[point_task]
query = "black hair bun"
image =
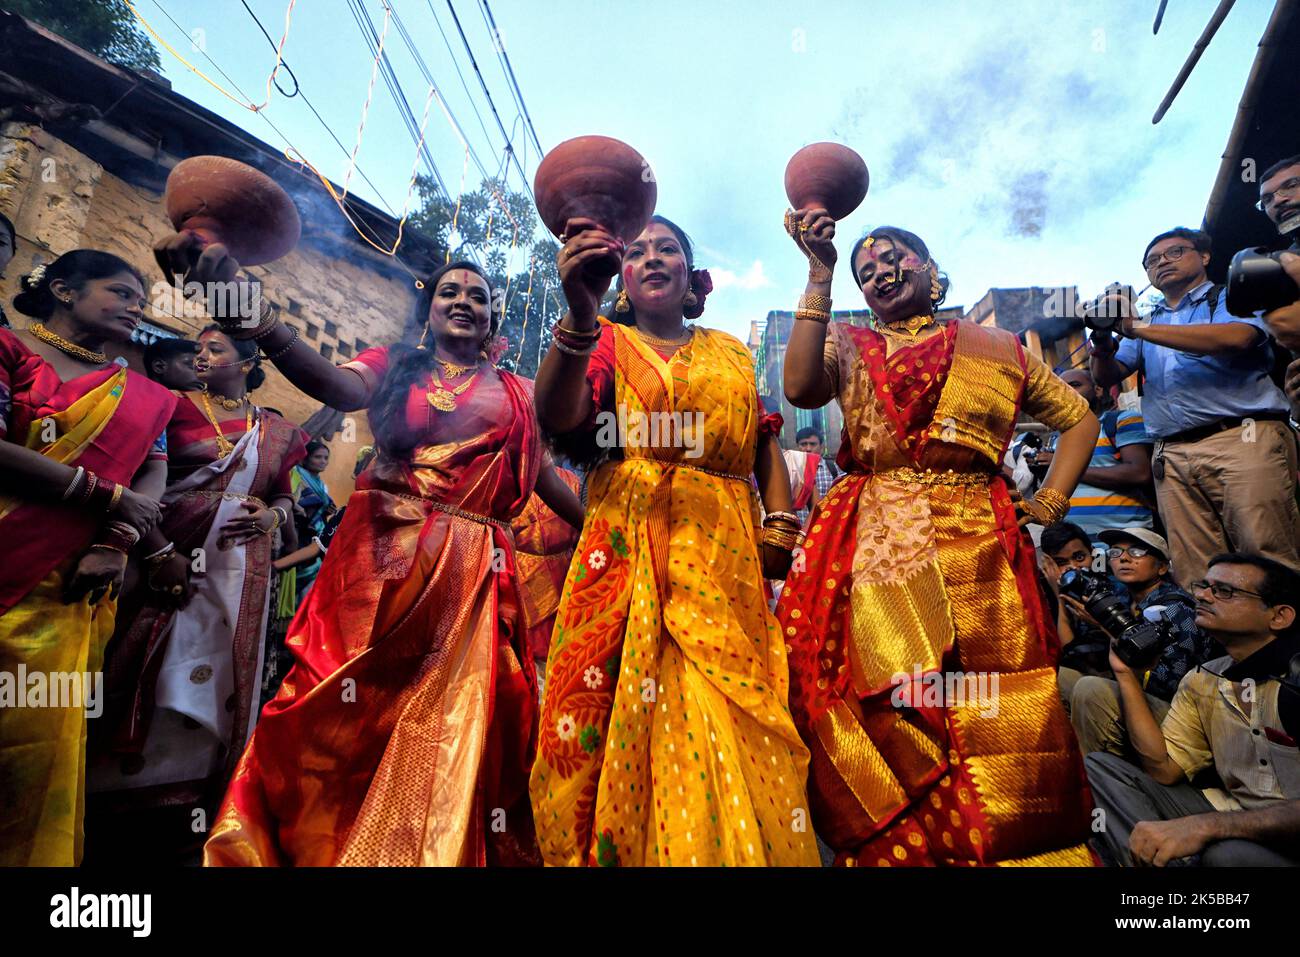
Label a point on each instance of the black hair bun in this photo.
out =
(35, 299)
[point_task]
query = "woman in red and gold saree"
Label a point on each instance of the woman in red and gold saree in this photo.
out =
(404, 731)
(184, 668)
(665, 733)
(922, 660)
(73, 429)
(544, 548)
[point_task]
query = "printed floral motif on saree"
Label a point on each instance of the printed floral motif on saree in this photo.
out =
(665, 733)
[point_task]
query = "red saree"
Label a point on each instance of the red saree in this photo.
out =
(404, 732)
(917, 593)
(544, 547)
(183, 685)
(109, 421)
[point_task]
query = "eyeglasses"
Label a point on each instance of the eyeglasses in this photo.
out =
(1223, 592)
(1133, 551)
(1172, 253)
(1291, 188)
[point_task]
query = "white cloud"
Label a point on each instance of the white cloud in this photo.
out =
(753, 278)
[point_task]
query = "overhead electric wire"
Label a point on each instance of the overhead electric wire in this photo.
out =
(262, 113)
(510, 71)
(488, 94)
(371, 37)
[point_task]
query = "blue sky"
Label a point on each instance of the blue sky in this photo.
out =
(1015, 137)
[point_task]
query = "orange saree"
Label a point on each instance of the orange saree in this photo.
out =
(922, 661)
(404, 732)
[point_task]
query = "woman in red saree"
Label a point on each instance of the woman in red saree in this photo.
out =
(544, 546)
(404, 732)
(922, 660)
(184, 667)
(75, 431)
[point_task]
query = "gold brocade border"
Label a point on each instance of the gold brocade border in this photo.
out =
(859, 762)
(1077, 856)
(1023, 763)
(977, 408)
(898, 626)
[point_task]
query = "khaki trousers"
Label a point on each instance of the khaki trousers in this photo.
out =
(1230, 492)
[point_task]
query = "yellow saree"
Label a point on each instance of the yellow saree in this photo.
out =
(51, 653)
(665, 736)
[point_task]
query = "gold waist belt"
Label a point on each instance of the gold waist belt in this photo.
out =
(694, 468)
(453, 510)
(228, 496)
(932, 477)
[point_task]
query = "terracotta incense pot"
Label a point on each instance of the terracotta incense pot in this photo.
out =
(599, 178)
(222, 200)
(828, 175)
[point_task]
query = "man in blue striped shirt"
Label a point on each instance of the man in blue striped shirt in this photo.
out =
(1225, 455)
(1112, 492)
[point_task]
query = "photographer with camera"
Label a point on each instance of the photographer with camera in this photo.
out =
(1279, 200)
(1152, 620)
(1239, 714)
(1085, 648)
(1225, 457)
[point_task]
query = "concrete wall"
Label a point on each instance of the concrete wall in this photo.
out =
(339, 296)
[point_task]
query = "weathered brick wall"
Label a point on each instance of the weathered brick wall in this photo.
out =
(339, 297)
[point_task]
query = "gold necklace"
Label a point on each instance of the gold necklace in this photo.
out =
(650, 340)
(911, 327)
(230, 405)
(63, 345)
(455, 370)
(224, 445)
(444, 399)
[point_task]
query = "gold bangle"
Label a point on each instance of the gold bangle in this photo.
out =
(814, 314)
(1049, 506)
(593, 333)
(116, 496)
(815, 302)
(570, 350)
(788, 516)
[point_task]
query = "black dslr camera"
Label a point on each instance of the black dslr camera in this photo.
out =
(1138, 642)
(1110, 308)
(1258, 283)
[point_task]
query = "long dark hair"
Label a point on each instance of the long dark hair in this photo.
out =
(688, 250)
(408, 365)
(900, 237)
(247, 351)
(75, 268)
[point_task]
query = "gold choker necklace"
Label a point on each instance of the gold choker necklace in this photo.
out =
(455, 370)
(911, 327)
(63, 345)
(681, 340)
(230, 405)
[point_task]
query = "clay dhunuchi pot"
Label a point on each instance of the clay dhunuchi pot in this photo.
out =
(826, 175)
(222, 200)
(599, 178)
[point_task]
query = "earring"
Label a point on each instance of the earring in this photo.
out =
(622, 303)
(423, 336)
(691, 299)
(936, 290)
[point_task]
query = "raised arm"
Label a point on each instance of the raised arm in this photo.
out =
(561, 392)
(224, 286)
(807, 386)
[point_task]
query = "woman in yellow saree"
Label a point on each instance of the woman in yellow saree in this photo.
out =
(83, 466)
(665, 737)
(922, 661)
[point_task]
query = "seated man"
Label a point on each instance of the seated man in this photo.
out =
(1085, 648)
(1139, 560)
(1232, 714)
